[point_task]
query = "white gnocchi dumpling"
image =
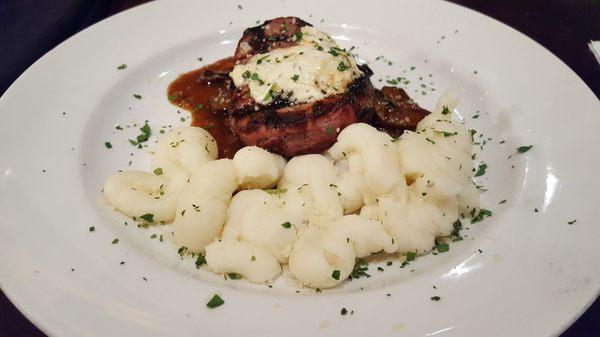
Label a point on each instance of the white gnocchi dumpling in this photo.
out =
(365, 235)
(251, 261)
(321, 261)
(136, 193)
(437, 161)
(186, 147)
(238, 205)
(380, 168)
(271, 229)
(350, 182)
(314, 177)
(257, 167)
(267, 220)
(413, 223)
(202, 206)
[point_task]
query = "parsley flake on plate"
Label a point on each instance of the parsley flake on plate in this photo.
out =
(523, 149)
(215, 301)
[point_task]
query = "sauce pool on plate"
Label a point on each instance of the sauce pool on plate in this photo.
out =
(193, 91)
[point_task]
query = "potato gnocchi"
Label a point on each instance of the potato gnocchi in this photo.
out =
(316, 213)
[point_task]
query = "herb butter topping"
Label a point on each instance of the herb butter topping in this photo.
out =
(313, 69)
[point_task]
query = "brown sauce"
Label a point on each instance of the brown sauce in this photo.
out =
(192, 94)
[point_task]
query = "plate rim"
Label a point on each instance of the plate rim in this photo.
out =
(37, 319)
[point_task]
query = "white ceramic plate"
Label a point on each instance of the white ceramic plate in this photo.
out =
(520, 273)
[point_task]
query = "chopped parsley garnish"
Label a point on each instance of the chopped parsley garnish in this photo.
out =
(479, 216)
(392, 82)
(456, 228)
(329, 130)
(333, 52)
(445, 110)
(172, 97)
(502, 202)
(286, 224)
(115, 241)
(91, 229)
(200, 260)
(481, 170)
(234, 276)
(253, 258)
(442, 247)
(148, 217)
(255, 77)
(446, 133)
(342, 66)
(215, 301)
(276, 190)
(343, 311)
(270, 92)
(523, 149)
(146, 132)
(360, 269)
(138, 96)
(182, 250)
(259, 61)
(298, 36)
(246, 74)
(336, 274)
(108, 145)
(295, 77)
(158, 171)
(435, 298)
(410, 256)
(122, 66)
(429, 140)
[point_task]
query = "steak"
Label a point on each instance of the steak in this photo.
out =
(284, 127)
(290, 128)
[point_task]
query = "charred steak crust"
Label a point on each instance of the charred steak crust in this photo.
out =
(272, 34)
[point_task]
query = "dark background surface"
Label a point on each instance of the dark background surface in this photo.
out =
(30, 28)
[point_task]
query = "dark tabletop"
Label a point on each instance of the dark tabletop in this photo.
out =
(29, 28)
